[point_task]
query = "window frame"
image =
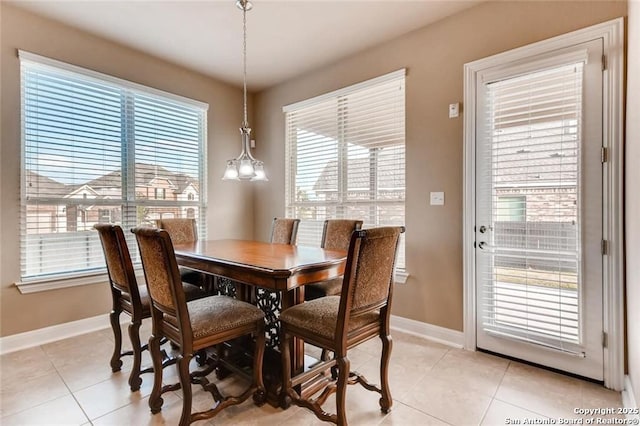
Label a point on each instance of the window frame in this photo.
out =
(129, 201)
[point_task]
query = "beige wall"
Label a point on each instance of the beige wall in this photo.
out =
(633, 196)
(434, 57)
(228, 202)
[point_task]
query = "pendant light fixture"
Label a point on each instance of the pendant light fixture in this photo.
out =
(245, 167)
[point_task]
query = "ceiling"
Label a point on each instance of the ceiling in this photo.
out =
(284, 38)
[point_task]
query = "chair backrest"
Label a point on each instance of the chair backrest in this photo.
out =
(162, 275)
(116, 254)
(284, 230)
(368, 273)
(181, 231)
(336, 233)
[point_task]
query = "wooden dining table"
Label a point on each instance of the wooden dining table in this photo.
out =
(271, 275)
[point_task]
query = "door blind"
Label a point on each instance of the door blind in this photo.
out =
(532, 263)
(98, 150)
(346, 158)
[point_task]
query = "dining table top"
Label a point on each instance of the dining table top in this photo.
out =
(276, 266)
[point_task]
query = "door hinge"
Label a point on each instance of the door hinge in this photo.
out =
(604, 154)
(605, 339)
(604, 62)
(604, 247)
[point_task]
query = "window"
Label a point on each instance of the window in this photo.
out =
(511, 208)
(96, 149)
(346, 157)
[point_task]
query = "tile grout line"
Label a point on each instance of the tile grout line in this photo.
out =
(509, 403)
(423, 412)
(73, 395)
(54, 399)
(416, 385)
(66, 385)
(493, 397)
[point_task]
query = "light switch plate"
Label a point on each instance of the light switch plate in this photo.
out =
(437, 198)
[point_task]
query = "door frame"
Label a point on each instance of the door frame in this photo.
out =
(612, 34)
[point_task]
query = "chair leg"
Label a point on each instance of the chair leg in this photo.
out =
(134, 334)
(116, 362)
(155, 399)
(185, 384)
(344, 366)
(385, 400)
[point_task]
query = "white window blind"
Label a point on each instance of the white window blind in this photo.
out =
(532, 285)
(98, 149)
(346, 158)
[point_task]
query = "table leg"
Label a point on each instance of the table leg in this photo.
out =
(226, 287)
(291, 298)
(270, 302)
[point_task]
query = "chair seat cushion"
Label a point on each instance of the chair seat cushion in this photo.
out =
(192, 292)
(320, 316)
(192, 277)
(214, 314)
(145, 301)
(325, 288)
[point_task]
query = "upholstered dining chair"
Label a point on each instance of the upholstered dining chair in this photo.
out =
(193, 326)
(127, 296)
(284, 230)
(339, 323)
(182, 231)
(336, 235)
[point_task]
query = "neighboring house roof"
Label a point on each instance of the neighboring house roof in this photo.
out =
(83, 189)
(145, 173)
(182, 182)
(44, 186)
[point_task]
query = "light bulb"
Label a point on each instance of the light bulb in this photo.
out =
(246, 169)
(231, 172)
(260, 174)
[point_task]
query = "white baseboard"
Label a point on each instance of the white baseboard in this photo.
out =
(432, 332)
(629, 399)
(28, 339)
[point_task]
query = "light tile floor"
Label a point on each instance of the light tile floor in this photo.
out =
(70, 382)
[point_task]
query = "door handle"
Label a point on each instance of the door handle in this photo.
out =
(482, 244)
(483, 229)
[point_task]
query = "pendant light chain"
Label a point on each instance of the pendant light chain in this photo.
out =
(245, 122)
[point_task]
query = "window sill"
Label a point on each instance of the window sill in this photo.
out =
(54, 283)
(400, 277)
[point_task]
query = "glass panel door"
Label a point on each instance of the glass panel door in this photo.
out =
(539, 203)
